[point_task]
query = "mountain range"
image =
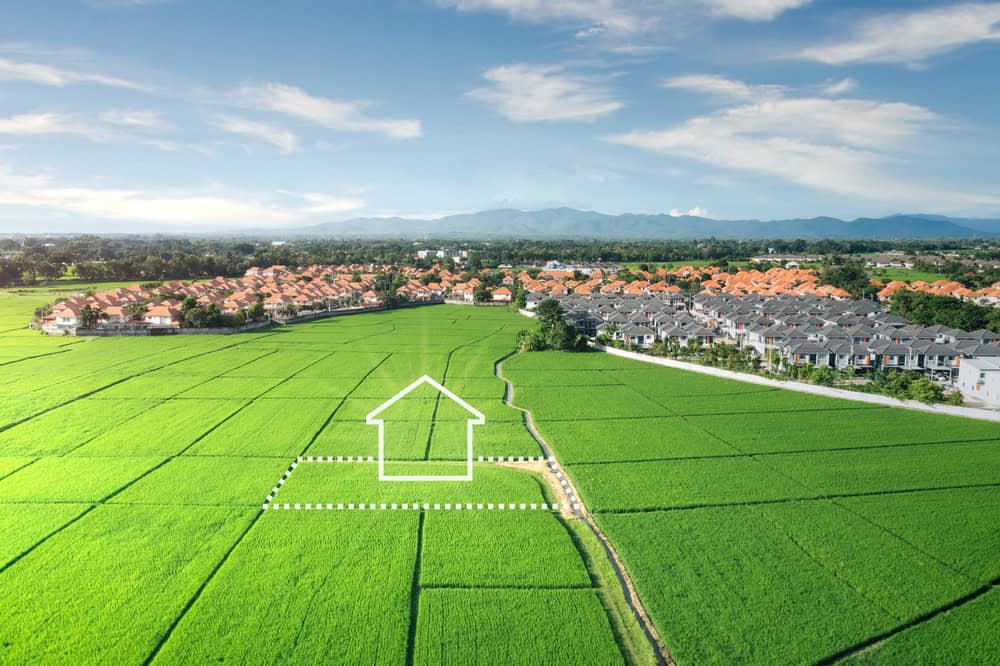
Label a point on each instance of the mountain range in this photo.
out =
(579, 224)
(561, 223)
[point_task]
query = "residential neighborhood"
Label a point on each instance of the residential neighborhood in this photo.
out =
(795, 331)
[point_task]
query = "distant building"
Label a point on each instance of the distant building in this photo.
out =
(979, 380)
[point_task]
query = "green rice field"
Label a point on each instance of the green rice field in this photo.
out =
(758, 526)
(765, 526)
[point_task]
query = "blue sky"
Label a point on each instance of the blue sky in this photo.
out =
(141, 115)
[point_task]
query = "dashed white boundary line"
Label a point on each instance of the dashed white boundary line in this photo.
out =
(269, 502)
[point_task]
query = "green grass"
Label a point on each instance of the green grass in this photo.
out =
(106, 588)
(713, 497)
(905, 275)
(526, 549)
(306, 588)
(507, 627)
(124, 511)
(966, 636)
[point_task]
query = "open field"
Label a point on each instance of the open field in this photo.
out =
(133, 471)
(763, 526)
(905, 275)
(758, 525)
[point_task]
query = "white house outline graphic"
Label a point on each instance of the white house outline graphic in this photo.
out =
(372, 419)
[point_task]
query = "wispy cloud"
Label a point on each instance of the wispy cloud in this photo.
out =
(720, 86)
(697, 211)
(621, 16)
(28, 124)
(536, 93)
(325, 204)
(752, 10)
(166, 206)
(846, 146)
(341, 115)
(912, 37)
(133, 118)
(281, 139)
(107, 126)
(838, 88)
(628, 27)
(11, 70)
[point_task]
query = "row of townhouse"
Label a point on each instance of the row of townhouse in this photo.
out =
(855, 335)
(788, 330)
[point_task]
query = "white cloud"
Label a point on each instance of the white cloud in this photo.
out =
(133, 118)
(599, 18)
(28, 124)
(348, 116)
(912, 37)
(322, 204)
(846, 146)
(752, 10)
(533, 93)
(281, 139)
(167, 207)
(697, 211)
(722, 87)
(838, 88)
(136, 205)
(11, 70)
(621, 16)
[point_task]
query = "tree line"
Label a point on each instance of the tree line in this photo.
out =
(28, 259)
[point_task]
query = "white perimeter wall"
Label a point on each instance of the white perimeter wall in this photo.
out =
(968, 412)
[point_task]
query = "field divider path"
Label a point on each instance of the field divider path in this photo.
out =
(28, 358)
(625, 581)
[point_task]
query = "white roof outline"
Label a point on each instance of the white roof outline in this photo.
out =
(371, 419)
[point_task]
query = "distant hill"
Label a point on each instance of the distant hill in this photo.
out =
(579, 224)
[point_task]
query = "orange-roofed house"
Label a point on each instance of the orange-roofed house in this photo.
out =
(502, 295)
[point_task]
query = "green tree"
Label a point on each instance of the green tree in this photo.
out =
(925, 390)
(824, 375)
(256, 311)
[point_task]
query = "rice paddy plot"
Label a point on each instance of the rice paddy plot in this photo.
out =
(106, 588)
(513, 627)
(614, 440)
(354, 483)
(67, 427)
(24, 525)
(723, 586)
(892, 469)
(966, 636)
(66, 479)
(281, 427)
(672, 484)
(163, 430)
(522, 549)
(203, 481)
(958, 526)
(558, 403)
(301, 588)
(842, 429)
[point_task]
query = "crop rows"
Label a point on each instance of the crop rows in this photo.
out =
(765, 526)
(133, 514)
